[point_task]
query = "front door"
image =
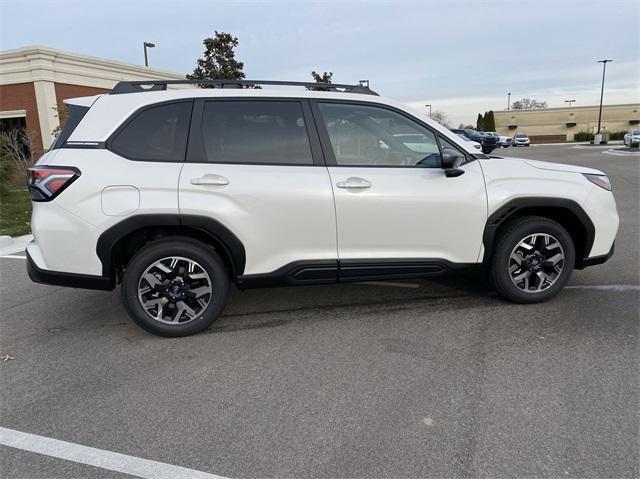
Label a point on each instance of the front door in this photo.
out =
(397, 213)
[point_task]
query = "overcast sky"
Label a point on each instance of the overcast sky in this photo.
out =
(462, 57)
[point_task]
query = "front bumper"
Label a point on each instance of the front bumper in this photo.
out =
(72, 280)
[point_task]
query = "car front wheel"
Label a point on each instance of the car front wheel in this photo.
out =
(533, 260)
(175, 287)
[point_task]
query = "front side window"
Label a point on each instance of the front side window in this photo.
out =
(158, 133)
(374, 136)
(262, 132)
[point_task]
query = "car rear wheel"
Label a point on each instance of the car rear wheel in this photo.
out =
(175, 287)
(533, 260)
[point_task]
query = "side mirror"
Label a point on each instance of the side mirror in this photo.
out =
(451, 160)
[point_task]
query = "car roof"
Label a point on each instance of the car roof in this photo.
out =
(108, 111)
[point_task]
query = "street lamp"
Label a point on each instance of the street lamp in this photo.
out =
(429, 106)
(508, 101)
(147, 45)
(569, 102)
(604, 69)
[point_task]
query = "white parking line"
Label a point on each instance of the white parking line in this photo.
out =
(111, 461)
(607, 287)
(622, 153)
(389, 283)
(13, 256)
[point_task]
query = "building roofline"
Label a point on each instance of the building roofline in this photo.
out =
(36, 62)
(569, 108)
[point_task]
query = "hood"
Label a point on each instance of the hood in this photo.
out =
(546, 165)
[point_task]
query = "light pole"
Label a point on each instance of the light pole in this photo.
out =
(429, 110)
(569, 102)
(604, 69)
(147, 45)
(508, 101)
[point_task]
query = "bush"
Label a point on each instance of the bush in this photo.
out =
(617, 135)
(583, 136)
(6, 174)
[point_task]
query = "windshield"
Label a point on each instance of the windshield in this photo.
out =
(635, 132)
(521, 135)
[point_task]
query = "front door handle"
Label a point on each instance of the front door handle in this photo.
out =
(213, 180)
(354, 183)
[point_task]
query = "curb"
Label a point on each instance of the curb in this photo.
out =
(9, 245)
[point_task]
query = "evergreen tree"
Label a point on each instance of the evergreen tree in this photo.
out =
(218, 61)
(489, 121)
(480, 122)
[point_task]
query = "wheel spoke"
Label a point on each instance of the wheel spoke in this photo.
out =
(163, 267)
(201, 291)
(524, 245)
(517, 258)
(555, 259)
(151, 279)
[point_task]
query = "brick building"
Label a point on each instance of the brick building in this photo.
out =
(35, 80)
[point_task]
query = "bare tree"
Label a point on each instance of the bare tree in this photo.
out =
(441, 117)
(462, 126)
(18, 147)
(528, 104)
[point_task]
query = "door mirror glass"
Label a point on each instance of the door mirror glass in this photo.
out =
(451, 159)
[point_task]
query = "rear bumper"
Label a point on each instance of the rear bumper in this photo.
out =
(72, 280)
(595, 260)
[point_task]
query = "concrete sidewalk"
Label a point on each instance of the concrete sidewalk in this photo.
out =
(9, 245)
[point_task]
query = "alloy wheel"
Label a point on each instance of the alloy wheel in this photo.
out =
(175, 290)
(536, 262)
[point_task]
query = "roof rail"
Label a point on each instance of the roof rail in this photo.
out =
(155, 85)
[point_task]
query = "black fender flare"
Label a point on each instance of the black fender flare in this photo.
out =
(234, 248)
(517, 205)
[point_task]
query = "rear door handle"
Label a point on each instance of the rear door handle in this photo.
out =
(213, 180)
(354, 183)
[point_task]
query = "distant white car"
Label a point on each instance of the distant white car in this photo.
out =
(632, 138)
(521, 139)
(505, 141)
(475, 144)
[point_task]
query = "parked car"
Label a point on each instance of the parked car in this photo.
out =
(176, 194)
(475, 144)
(520, 139)
(488, 142)
(632, 138)
(505, 141)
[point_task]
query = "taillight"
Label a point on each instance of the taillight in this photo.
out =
(47, 182)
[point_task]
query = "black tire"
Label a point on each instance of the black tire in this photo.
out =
(511, 236)
(204, 255)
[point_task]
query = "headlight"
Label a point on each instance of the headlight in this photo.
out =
(599, 180)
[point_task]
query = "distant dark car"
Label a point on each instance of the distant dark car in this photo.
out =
(521, 139)
(488, 142)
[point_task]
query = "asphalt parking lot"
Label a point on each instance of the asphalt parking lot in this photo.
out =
(417, 379)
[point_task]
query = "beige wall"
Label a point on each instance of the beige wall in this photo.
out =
(552, 122)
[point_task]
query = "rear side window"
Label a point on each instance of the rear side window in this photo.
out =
(158, 133)
(76, 114)
(262, 132)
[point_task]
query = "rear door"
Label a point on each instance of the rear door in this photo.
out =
(255, 166)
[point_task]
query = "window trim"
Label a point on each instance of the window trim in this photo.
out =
(327, 147)
(196, 152)
(109, 143)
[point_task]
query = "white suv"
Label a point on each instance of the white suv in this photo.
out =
(174, 193)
